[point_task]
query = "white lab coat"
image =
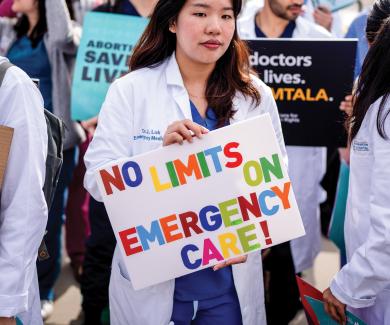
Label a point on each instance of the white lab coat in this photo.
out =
(364, 282)
(152, 99)
(23, 212)
(307, 165)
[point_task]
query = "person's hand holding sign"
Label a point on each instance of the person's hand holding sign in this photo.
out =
(334, 307)
(7, 321)
(231, 261)
(179, 131)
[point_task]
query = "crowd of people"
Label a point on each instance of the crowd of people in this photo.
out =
(193, 58)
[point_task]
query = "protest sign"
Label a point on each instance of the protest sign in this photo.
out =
(325, 319)
(308, 80)
(103, 55)
(180, 209)
(333, 5)
(313, 304)
(6, 134)
(336, 227)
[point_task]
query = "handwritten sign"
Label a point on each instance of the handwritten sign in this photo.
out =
(180, 209)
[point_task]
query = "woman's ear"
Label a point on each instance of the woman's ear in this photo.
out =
(172, 27)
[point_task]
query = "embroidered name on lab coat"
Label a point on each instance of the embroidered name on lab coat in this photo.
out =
(149, 135)
(361, 146)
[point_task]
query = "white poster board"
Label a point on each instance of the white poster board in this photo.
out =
(182, 208)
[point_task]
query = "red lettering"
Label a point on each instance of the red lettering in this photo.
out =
(128, 241)
(232, 154)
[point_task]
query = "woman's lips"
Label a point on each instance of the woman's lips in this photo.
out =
(212, 44)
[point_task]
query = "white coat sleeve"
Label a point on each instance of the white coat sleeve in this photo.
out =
(23, 212)
(367, 273)
(112, 138)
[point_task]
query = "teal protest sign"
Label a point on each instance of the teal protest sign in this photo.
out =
(334, 5)
(336, 228)
(324, 319)
(105, 47)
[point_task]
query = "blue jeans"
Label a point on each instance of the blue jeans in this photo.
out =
(49, 270)
(223, 310)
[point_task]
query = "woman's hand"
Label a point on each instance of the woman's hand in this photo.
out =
(179, 131)
(7, 321)
(347, 105)
(334, 307)
(323, 17)
(90, 125)
(234, 260)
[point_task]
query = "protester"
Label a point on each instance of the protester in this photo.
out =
(281, 19)
(363, 284)
(23, 209)
(43, 43)
(320, 15)
(189, 58)
(101, 243)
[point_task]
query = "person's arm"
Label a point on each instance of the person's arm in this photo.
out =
(112, 138)
(5, 9)
(23, 209)
(367, 273)
(62, 31)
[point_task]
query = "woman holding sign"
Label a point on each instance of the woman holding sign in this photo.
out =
(363, 284)
(189, 74)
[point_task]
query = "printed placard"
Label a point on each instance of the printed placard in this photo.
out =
(179, 209)
(106, 45)
(309, 79)
(6, 134)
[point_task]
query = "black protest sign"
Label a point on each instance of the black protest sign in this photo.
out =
(309, 79)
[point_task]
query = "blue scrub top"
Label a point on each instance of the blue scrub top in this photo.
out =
(35, 62)
(206, 283)
(127, 8)
(287, 33)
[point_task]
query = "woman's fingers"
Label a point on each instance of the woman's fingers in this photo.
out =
(234, 260)
(179, 131)
(334, 307)
(172, 138)
(197, 129)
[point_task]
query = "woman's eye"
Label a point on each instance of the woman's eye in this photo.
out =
(199, 14)
(227, 17)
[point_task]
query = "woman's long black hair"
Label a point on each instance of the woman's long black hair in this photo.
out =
(374, 81)
(22, 26)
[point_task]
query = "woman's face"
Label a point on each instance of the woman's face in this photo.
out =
(25, 6)
(204, 30)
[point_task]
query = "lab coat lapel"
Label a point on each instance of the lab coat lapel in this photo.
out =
(176, 87)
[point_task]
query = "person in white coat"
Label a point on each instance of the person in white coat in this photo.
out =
(23, 209)
(189, 61)
(307, 165)
(363, 284)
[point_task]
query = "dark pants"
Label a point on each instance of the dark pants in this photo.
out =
(281, 290)
(77, 217)
(49, 270)
(97, 264)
